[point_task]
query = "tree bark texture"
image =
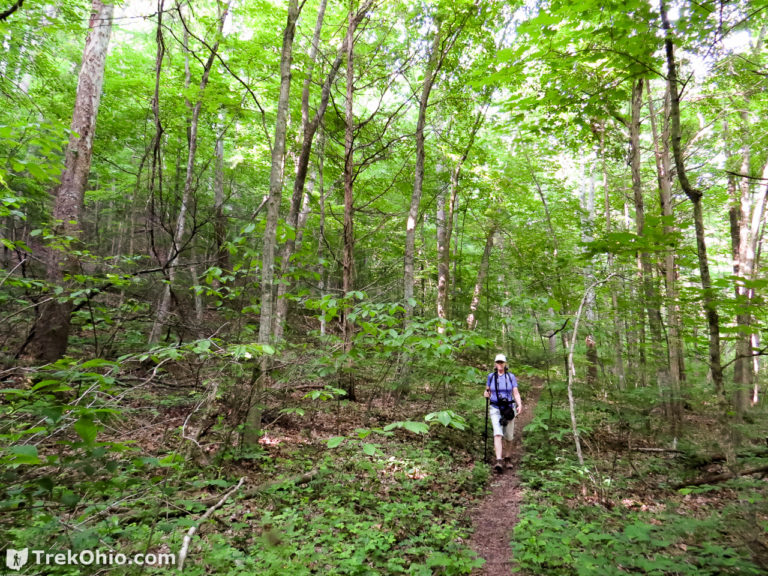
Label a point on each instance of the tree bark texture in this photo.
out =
(433, 67)
(308, 132)
(590, 302)
(276, 174)
(694, 195)
(220, 218)
(664, 177)
(751, 211)
(650, 295)
(746, 215)
(444, 222)
(481, 274)
(348, 257)
(618, 335)
(51, 331)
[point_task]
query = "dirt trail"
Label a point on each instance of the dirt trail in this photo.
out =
(496, 517)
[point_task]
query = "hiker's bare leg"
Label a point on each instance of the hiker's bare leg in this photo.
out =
(507, 438)
(497, 444)
(507, 448)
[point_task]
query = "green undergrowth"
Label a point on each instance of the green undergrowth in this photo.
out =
(325, 511)
(84, 466)
(399, 511)
(624, 512)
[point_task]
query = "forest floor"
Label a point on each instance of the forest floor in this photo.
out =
(495, 518)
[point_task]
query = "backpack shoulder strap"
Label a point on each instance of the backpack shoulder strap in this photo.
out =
(496, 381)
(507, 379)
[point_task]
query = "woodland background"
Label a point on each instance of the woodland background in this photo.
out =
(282, 241)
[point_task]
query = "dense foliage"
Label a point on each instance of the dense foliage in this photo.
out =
(280, 241)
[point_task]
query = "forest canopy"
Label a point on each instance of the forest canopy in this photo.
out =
(243, 213)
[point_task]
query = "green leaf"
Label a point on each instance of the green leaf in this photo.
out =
(369, 449)
(416, 427)
(86, 429)
(69, 498)
(639, 531)
(171, 460)
(99, 363)
(24, 454)
(335, 442)
(50, 386)
(201, 346)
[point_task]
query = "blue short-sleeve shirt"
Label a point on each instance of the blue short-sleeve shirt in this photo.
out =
(507, 383)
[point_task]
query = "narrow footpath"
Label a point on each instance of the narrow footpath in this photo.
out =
(495, 518)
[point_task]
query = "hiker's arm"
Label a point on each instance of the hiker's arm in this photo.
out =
(519, 402)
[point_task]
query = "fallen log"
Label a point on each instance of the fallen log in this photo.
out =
(722, 477)
(658, 450)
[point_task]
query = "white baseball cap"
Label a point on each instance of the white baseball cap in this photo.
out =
(501, 358)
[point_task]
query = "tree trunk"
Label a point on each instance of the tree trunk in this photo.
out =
(305, 207)
(618, 368)
(220, 219)
(309, 129)
(481, 274)
(155, 184)
(445, 224)
(694, 195)
(51, 331)
(308, 132)
(747, 234)
(186, 197)
(348, 258)
(650, 295)
(664, 174)
(590, 302)
(745, 223)
(321, 271)
(570, 368)
(276, 174)
(433, 67)
(199, 304)
(456, 256)
(743, 261)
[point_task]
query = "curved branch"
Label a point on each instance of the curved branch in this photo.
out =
(235, 76)
(11, 10)
(188, 537)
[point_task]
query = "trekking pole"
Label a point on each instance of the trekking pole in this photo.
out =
(485, 434)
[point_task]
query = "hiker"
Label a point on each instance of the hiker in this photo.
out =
(501, 386)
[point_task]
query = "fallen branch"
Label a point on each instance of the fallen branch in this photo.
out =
(659, 450)
(188, 538)
(298, 480)
(722, 477)
(129, 516)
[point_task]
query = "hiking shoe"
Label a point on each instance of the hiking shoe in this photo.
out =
(508, 463)
(499, 466)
